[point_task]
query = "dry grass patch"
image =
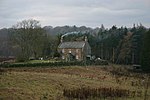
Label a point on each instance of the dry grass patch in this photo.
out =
(49, 83)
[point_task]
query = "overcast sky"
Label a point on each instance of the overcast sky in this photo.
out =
(90, 13)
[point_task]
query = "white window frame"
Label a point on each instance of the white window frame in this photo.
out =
(63, 57)
(63, 50)
(77, 57)
(77, 50)
(69, 50)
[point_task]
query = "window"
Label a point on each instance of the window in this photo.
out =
(63, 51)
(77, 57)
(69, 50)
(77, 50)
(63, 57)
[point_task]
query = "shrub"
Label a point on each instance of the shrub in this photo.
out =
(100, 62)
(50, 64)
(101, 92)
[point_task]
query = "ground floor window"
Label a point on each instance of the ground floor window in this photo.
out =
(63, 57)
(77, 57)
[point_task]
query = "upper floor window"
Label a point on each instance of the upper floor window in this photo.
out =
(63, 51)
(77, 50)
(69, 50)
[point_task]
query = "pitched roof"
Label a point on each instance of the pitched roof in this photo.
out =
(75, 44)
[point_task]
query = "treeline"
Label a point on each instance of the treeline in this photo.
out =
(118, 45)
(27, 39)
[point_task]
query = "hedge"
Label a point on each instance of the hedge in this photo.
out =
(53, 64)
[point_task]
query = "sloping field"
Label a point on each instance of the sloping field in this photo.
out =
(51, 83)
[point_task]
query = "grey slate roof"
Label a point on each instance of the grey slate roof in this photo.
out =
(75, 44)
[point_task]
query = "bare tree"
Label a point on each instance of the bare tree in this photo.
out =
(30, 39)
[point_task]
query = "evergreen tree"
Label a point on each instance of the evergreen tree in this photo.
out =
(145, 61)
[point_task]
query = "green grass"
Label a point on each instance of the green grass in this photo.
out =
(36, 61)
(41, 61)
(48, 83)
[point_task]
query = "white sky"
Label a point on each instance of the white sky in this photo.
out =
(91, 13)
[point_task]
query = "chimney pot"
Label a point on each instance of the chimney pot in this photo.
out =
(86, 39)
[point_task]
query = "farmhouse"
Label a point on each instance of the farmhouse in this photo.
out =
(75, 50)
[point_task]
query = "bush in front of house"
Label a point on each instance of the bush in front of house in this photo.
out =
(100, 62)
(56, 64)
(42, 64)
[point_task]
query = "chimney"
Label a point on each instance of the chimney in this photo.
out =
(61, 40)
(85, 39)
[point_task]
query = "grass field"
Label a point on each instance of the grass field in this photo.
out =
(49, 83)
